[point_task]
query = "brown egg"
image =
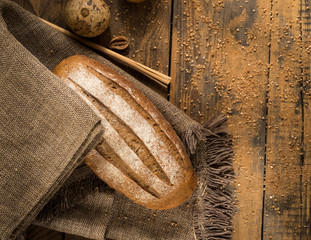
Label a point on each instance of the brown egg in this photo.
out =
(87, 18)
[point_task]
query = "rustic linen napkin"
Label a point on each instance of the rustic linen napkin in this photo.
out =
(46, 136)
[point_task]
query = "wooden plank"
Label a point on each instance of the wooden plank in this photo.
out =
(305, 17)
(283, 189)
(147, 26)
(40, 233)
(220, 55)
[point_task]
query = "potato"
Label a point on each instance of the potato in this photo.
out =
(87, 18)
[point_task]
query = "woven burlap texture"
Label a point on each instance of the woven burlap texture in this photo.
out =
(45, 132)
(48, 131)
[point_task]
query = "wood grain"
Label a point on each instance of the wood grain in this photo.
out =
(220, 60)
(147, 26)
(282, 216)
(305, 17)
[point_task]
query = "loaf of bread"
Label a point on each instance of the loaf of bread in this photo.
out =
(140, 154)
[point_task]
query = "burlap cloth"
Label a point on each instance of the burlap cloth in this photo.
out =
(46, 130)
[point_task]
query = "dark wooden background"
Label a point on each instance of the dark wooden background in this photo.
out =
(248, 59)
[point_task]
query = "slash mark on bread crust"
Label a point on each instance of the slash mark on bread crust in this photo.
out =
(108, 153)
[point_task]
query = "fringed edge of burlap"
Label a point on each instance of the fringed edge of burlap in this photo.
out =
(69, 196)
(192, 136)
(212, 155)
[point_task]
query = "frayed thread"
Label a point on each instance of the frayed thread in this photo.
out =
(213, 162)
(192, 136)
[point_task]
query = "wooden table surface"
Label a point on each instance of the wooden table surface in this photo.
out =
(249, 60)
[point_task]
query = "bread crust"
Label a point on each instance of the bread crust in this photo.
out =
(140, 154)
